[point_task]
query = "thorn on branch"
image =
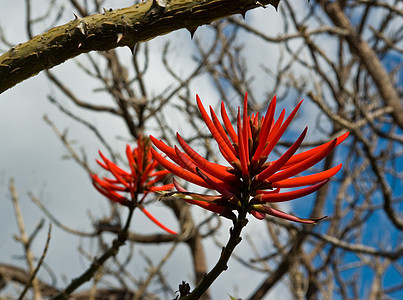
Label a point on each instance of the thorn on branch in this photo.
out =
(184, 290)
(192, 31)
(119, 37)
(259, 3)
(107, 10)
(81, 27)
(157, 8)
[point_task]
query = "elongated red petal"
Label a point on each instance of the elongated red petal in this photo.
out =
(307, 180)
(280, 214)
(178, 187)
(160, 174)
(169, 151)
(216, 170)
(216, 183)
(158, 177)
(281, 131)
(160, 188)
(281, 197)
(204, 201)
(150, 166)
(130, 159)
(264, 132)
(110, 194)
(218, 187)
(227, 153)
(303, 165)
(108, 185)
(221, 130)
(275, 191)
(242, 147)
(228, 125)
(303, 155)
(104, 166)
(258, 215)
(179, 171)
(282, 160)
(188, 163)
(107, 162)
(206, 205)
(114, 169)
(156, 222)
(246, 131)
(276, 126)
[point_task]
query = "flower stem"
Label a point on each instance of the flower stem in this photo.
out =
(221, 265)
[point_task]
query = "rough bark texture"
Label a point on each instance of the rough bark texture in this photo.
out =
(117, 28)
(369, 59)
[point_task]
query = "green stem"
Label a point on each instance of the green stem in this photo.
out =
(112, 251)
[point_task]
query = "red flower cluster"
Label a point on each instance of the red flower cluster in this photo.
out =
(141, 179)
(250, 181)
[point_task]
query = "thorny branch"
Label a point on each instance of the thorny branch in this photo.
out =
(116, 28)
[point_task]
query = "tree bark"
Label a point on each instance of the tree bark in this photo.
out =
(116, 28)
(369, 59)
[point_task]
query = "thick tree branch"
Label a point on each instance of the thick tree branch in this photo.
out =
(117, 28)
(369, 59)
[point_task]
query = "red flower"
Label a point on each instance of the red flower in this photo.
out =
(141, 179)
(250, 181)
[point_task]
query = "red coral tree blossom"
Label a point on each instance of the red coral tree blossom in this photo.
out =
(251, 182)
(141, 179)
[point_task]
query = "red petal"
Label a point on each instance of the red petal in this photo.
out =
(282, 160)
(280, 132)
(213, 182)
(302, 156)
(178, 187)
(111, 195)
(228, 125)
(281, 197)
(130, 159)
(179, 171)
(106, 184)
(242, 147)
(266, 126)
(107, 162)
(152, 218)
(160, 188)
(150, 166)
(188, 163)
(206, 205)
(161, 173)
(303, 165)
(275, 191)
(114, 169)
(216, 186)
(258, 215)
(280, 214)
(221, 130)
(246, 131)
(227, 153)
(216, 170)
(169, 151)
(307, 180)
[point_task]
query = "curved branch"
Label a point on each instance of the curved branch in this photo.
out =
(117, 28)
